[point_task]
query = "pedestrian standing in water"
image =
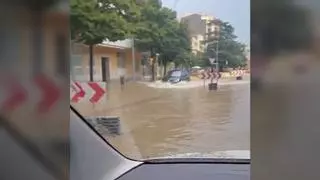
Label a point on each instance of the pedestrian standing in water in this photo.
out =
(122, 82)
(122, 78)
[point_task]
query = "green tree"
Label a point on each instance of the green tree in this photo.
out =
(231, 53)
(156, 24)
(183, 53)
(195, 59)
(160, 32)
(93, 21)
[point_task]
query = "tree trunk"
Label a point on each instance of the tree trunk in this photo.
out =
(152, 64)
(91, 62)
(176, 65)
(164, 68)
(152, 71)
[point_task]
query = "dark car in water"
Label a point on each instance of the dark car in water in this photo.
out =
(175, 76)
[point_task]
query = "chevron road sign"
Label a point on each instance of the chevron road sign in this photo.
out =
(209, 75)
(17, 92)
(90, 91)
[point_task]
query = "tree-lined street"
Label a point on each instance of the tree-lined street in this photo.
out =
(158, 118)
(155, 29)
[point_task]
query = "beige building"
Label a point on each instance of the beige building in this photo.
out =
(197, 44)
(111, 59)
(200, 29)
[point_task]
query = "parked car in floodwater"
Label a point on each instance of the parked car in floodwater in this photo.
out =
(177, 75)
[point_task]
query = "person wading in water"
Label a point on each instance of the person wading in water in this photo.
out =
(122, 78)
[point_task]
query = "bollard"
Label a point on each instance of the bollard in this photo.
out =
(112, 124)
(213, 86)
(239, 77)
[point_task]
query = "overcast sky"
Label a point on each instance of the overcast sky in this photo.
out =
(237, 12)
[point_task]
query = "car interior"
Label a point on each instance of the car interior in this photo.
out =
(92, 157)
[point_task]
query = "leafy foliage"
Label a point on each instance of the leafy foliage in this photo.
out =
(155, 24)
(155, 29)
(93, 21)
(183, 54)
(231, 53)
(160, 32)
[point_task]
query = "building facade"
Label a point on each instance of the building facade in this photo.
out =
(201, 28)
(111, 59)
(197, 44)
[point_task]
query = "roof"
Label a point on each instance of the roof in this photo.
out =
(127, 43)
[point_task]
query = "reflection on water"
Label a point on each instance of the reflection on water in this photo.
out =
(160, 122)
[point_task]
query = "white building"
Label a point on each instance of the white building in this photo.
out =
(197, 44)
(200, 29)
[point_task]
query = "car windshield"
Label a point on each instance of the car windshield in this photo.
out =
(118, 83)
(175, 74)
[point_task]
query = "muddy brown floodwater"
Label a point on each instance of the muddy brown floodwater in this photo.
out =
(162, 122)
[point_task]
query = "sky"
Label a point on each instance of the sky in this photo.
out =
(236, 12)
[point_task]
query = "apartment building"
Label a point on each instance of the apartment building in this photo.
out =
(201, 28)
(197, 43)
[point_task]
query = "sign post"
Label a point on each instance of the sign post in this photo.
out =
(213, 86)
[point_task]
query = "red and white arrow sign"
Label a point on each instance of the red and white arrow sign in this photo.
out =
(210, 75)
(79, 92)
(15, 95)
(20, 92)
(99, 92)
(87, 91)
(50, 93)
(238, 73)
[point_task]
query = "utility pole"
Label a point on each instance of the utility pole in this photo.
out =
(217, 22)
(215, 61)
(217, 56)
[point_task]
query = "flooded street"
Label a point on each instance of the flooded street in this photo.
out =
(161, 122)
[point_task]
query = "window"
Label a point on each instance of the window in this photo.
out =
(176, 73)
